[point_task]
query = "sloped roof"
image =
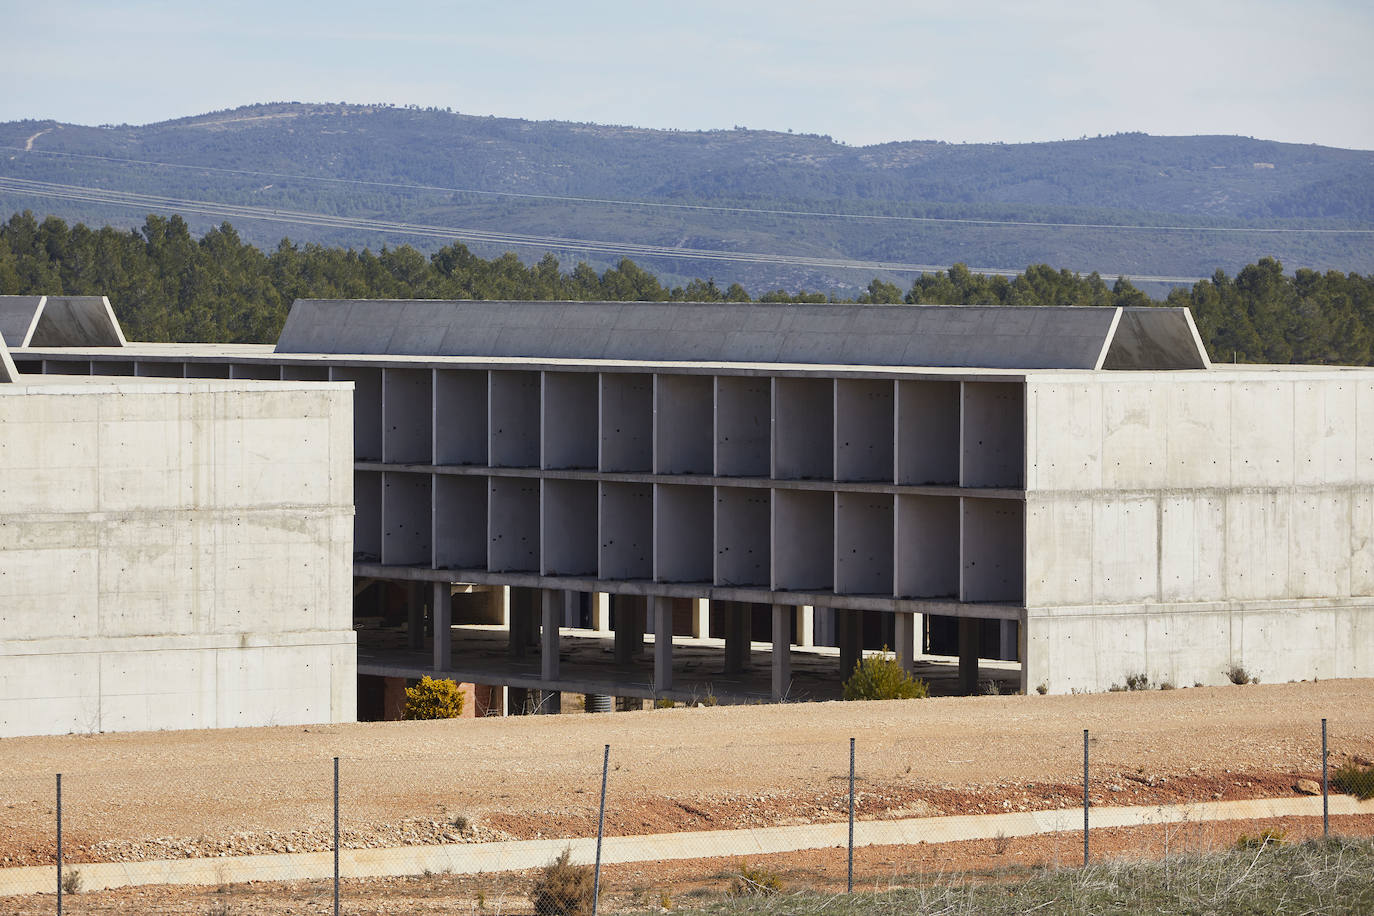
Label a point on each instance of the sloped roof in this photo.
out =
(59, 321)
(7, 371)
(994, 337)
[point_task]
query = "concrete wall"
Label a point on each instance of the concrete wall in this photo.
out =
(174, 555)
(1186, 523)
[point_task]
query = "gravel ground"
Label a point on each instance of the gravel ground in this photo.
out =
(170, 794)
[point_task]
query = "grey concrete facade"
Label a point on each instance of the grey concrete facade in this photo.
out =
(174, 554)
(1113, 502)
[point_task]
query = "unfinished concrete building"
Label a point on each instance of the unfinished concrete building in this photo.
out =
(173, 553)
(1076, 491)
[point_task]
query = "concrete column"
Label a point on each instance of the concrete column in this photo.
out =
(907, 628)
(524, 611)
(737, 636)
(550, 702)
(548, 642)
(970, 637)
(806, 626)
(663, 643)
(701, 618)
(415, 616)
(1006, 633)
(629, 628)
(601, 612)
(849, 633)
(501, 596)
(443, 626)
(782, 650)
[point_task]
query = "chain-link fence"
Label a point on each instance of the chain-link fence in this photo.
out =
(379, 832)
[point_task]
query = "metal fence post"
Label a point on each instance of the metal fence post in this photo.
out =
(600, 829)
(1326, 810)
(59, 844)
(336, 836)
(1085, 797)
(851, 815)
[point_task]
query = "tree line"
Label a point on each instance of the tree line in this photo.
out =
(166, 285)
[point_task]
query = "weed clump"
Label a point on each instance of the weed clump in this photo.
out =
(881, 677)
(1270, 837)
(71, 881)
(1237, 674)
(755, 882)
(434, 698)
(563, 889)
(1353, 779)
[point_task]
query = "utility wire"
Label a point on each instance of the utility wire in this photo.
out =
(698, 207)
(146, 202)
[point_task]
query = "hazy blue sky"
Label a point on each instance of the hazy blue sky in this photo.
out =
(863, 71)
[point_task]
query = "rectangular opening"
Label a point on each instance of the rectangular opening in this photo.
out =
(928, 433)
(568, 532)
(367, 517)
(66, 367)
(627, 531)
(627, 422)
(98, 367)
(682, 526)
(570, 407)
(993, 559)
(513, 524)
(407, 416)
(864, 415)
(206, 370)
(743, 543)
(406, 523)
(804, 431)
(460, 417)
(513, 416)
(266, 372)
(158, 370)
(803, 540)
(460, 522)
(927, 547)
(994, 419)
(744, 407)
(863, 544)
(367, 409)
(682, 424)
(305, 373)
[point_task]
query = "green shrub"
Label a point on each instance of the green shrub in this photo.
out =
(881, 677)
(563, 889)
(1270, 837)
(434, 698)
(1353, 779)
(755, 882)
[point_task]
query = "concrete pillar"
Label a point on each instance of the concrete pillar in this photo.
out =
(572, 608)
(629, 628)
(806, 626)
(415, 617)
(663, 643)
(849, 633)
(701, 618)
(601, 612)
(548, 642)
(1006, 632)
(782, 650)
(970, 637)
(501, 597)
(737, 636)
(524, 612)
(907, 628)
(550, 702)
(443, 626)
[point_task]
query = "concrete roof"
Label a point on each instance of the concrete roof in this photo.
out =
(59, 321)
(988, 337)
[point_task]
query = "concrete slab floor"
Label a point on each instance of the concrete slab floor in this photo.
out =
(481, 655)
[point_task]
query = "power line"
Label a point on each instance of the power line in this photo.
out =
(697, 207)
(146, 202)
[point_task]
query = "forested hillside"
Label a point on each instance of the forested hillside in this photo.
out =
(167, 285)
(1124, 204)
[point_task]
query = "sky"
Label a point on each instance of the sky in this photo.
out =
(861, 71)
